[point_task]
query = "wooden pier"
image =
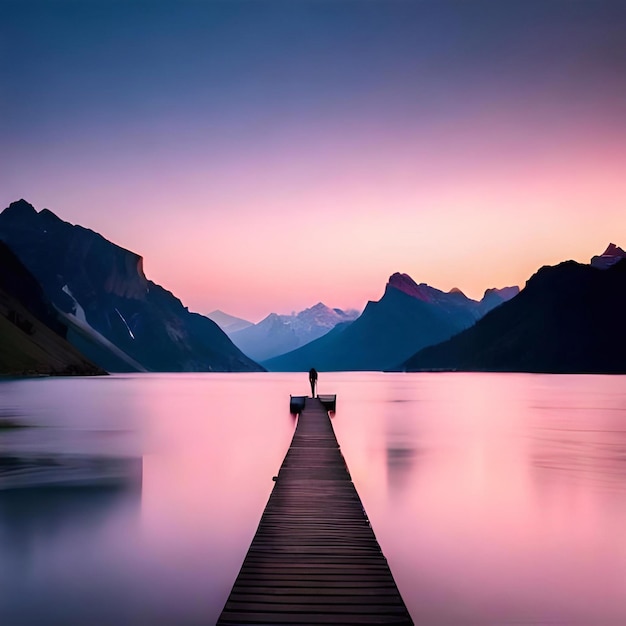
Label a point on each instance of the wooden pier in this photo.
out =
(314, 558)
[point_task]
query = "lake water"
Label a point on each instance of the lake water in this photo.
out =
(497, 498)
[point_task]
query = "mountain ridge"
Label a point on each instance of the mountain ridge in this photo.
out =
(277, 334)
(408, 315)
(228, 323)
(83, 273)
(609, 257)
(567, 319)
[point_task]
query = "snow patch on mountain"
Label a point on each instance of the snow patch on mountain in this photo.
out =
(130, 332)
(277, 334)
(79, 312)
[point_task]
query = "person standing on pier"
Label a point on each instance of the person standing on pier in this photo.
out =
(313, 380)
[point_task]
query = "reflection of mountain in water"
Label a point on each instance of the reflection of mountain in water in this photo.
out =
(400, 463)
(52, 540)
(27, 471)
(29, 517)
(42, 495)
(401, 444)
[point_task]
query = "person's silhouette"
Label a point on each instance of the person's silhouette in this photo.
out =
(313, 380)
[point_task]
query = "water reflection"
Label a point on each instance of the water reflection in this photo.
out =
(497, 499)
(32, 517)
(514, 511)
(210, 445)
(52, 542)
(400, 462)
(401, 441)
(578, 444)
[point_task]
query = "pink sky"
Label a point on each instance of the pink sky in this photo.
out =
(262, 171)
(448, 209)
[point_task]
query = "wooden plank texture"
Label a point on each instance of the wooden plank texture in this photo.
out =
(314, 558)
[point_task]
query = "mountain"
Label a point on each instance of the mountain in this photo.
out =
(609, 257)
(228, 323)
(495, 297)
(408, 317)
(114, 310)
(32, 338)
(568, 319)
(277, 334)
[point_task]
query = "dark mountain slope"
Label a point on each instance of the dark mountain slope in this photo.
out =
(32, 339)
(102, 288)
(568, 319)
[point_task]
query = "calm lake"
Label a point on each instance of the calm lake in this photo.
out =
(496, 498)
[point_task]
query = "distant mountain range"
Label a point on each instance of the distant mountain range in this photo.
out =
(72, 302)
(116, 316)
(228, 323)
(32, 339)
(277, 334)
(568, 319)
(408, 317)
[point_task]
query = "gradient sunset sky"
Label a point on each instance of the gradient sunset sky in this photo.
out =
(265, 155)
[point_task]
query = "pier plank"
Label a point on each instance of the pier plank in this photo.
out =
(314, 558)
